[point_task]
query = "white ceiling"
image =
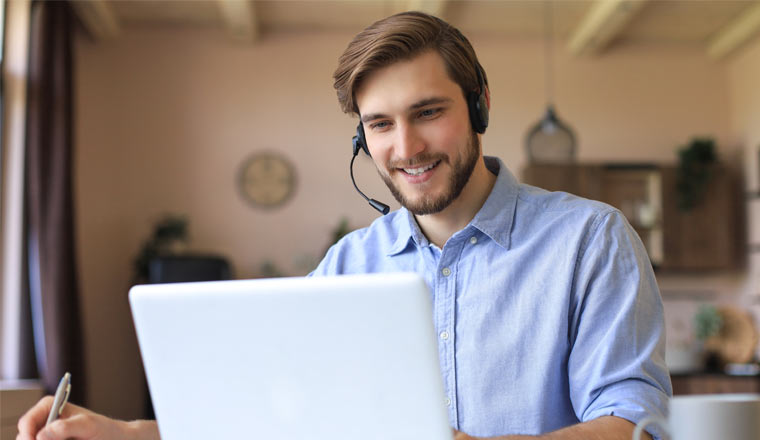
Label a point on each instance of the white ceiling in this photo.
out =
(595, 24)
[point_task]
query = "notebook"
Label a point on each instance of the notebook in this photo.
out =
(325, 358)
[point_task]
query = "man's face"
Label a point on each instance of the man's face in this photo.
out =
(418, 131)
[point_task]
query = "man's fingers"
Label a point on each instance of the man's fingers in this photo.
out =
(35, 418)
(32, 424)
(74, 427)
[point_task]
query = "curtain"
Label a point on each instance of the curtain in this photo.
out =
(51, 254)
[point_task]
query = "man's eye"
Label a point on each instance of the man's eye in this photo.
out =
(379, 125)
(430, 112)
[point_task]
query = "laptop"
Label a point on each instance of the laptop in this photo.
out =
(331, 358)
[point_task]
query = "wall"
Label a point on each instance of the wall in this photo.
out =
(684, 294)
(636, 103)
(745, 98)
(744, 71)
(165, 118)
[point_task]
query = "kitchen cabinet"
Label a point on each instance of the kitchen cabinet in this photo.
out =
(708, 237)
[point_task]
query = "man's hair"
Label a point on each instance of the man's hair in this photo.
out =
(401, 37)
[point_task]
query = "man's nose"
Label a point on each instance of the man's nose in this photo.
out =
(409, 143)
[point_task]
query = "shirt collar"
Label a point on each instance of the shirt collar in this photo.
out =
(497, 214)
(494, 218)
(408, 231)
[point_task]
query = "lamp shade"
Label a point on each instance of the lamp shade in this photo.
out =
(550, 140)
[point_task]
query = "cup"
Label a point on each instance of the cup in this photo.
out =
(709, 416)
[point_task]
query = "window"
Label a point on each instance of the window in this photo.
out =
(13, 308)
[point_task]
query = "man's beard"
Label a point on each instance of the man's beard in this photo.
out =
(461, 171)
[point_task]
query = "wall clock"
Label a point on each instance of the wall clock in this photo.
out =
(267, 179)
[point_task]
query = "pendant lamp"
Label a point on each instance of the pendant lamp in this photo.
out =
(550, 140)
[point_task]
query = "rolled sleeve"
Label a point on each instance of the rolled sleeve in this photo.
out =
(617, 365)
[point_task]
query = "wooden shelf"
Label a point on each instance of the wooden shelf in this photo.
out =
(708, 237)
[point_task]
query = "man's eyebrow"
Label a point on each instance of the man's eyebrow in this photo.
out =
(417, 105)
(372, 117)
(429, 101)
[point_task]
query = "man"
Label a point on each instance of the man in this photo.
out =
(548, 313)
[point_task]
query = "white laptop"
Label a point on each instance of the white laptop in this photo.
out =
(332, 358)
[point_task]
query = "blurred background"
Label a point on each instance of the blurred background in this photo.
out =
(178, 107)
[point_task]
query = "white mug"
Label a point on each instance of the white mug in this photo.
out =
(709, 416)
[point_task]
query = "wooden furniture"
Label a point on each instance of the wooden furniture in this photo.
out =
(714, 383)
(708, 237)
(16, 397)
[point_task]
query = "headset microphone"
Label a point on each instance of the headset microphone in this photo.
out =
(360, 144)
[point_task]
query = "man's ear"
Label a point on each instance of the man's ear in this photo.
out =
(488, 97)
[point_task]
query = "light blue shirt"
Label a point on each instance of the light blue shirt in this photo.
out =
(546, 307)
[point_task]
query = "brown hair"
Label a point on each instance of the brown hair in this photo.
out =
(402, 37)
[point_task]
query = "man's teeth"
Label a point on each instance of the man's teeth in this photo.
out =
(418, 171)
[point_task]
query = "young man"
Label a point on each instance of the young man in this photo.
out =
(549, 317)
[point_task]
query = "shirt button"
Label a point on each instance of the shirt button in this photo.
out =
(444, 335)
(446, 271)
(448, 401)
(473, 240)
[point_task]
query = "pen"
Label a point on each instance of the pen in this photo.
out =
(60, 399)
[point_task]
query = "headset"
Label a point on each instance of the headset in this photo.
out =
(477, 105)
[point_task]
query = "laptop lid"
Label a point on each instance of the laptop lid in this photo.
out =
(338, 358)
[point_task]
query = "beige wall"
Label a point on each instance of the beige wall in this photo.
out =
(165, 117)
(635, 103)
(744, 71)
(745, 98)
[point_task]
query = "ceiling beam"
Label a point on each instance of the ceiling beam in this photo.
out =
(604, 21)
(98, 18)
(240, 19)
(736, 33)
(432, 7)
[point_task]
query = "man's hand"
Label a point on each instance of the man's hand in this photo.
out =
(608, 428)
(458, 435)
(80, 424)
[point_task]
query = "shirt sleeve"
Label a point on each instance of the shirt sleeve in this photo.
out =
(328, 265)
(343, 257)
(616, 364)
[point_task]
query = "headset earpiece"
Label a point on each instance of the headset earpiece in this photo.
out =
(478, 105)
(359, 142)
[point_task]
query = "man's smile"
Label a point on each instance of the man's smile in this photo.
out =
(421, 169)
